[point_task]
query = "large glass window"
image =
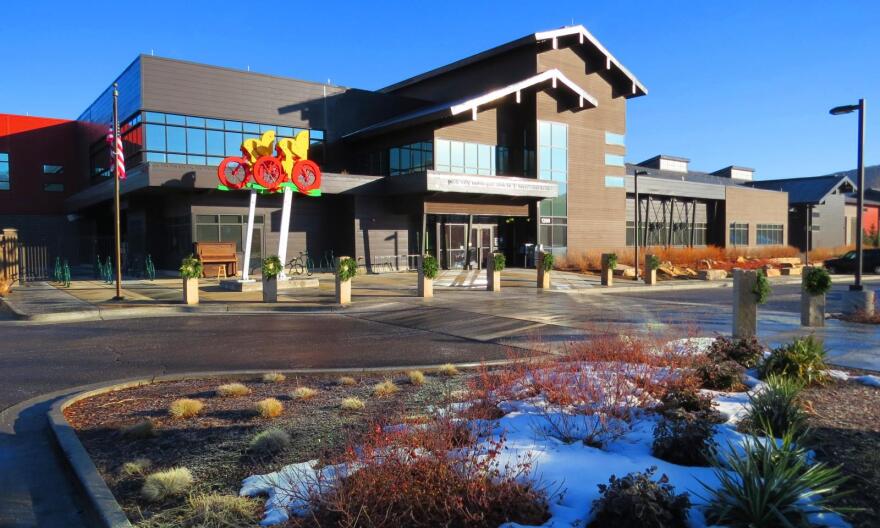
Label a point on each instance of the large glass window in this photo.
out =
(466, 158)
(614, 160)
(4, 171)
(739, 234)
(408, 159)
(769, 234)
(553, 166)
(224, 228)
(615, 139)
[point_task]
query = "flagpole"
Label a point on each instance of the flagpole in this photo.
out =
(116, 221)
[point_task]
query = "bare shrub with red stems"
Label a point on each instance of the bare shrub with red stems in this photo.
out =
(433, 475)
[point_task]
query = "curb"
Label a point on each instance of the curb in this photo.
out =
(95, 489)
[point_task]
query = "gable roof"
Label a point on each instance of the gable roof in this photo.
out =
(472, 104)
(584, 38)
(807, 191)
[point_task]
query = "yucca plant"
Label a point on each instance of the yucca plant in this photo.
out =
(802, 359)
(770, 484)
(778, 405)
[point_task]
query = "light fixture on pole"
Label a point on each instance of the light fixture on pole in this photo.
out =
(846, 109)
(636, 174)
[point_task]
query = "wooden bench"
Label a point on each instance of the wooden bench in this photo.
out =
(218, 258)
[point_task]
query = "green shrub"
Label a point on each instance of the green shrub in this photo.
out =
(721, 375)
(269, 442)
(817, 281)
(762, 288)
(637, 500)
(768, 484)
(499, 261)
(653, 262)
(548, 261)
(272, 267)
(430, 267)
(346, 269)
(777, 406)
(612, 261)
(746, 351)
(685, 438)
(191, 268)
(803, 359)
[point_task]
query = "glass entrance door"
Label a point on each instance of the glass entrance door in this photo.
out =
(482, 244)
(455, 257)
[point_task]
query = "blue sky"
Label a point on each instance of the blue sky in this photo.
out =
(745, 82)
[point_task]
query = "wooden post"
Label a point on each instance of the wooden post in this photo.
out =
(607, 270)
(745, 306)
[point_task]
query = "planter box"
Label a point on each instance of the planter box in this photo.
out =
(607, 271)
(493, 278)
(745, 309)
(191, 291)
(543, 278)
(426, 286)
(343, 292)
(812, 309)
(270, 290)
(650, 277)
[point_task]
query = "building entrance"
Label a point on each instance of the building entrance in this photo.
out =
(460, 251)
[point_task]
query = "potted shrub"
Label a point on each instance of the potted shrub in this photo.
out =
(428, 270)
(190, 271)
(346, 269)
(652, 262)
(545, 266)
(815, 284)
(271, 269)
(494, 266)
(609, 262)
(750, 288)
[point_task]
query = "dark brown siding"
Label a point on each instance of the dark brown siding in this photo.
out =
(381, 234)
(476, 208)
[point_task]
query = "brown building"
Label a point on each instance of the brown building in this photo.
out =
(517, 146)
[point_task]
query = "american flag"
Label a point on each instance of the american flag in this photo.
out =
(116, 154)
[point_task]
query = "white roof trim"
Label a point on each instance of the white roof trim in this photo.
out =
(554, 75)
(582, 33)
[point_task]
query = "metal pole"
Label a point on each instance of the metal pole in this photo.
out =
(809, 231)
(861, 198)
(249, 237)
(116, 222)
(636, 227)
(285, 229)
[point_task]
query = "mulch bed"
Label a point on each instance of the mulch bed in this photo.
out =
(845, 424)
(213, 445)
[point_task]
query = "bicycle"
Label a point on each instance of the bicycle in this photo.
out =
(301, 264)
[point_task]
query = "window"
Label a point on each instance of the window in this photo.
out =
(769, 234)
(614, 181)
(225, 228)
(408, 159)
(739, 234)
(614, 139)
(553, 166)
(466, 158)
(4, 171)
(53, 187)
(53, 169)
(614, 160)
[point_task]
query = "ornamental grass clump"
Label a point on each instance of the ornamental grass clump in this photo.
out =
(430, 267)
(777, 405)
(303, 393)
(448, 370)
(346, 381)
(638, 500)
(416, 377)
(213, 510)
(273, 377)
(746, 351)
(803, 359)
(229, 390)
(770, 484)
(269, 408)
(162, 485)
(269, 442)
(136, 467)
(143, 429)
(191, 268)
(816, 281)
(272, 267)
(384, 389)
(685, 438)
(352, 404)
(185, 408)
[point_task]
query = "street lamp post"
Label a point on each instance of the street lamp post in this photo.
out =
(846, 109)
(636, 174)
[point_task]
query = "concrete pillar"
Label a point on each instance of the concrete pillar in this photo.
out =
(812, 306)
(426, 285)
(650, 274)
(858, 302)
(493, 277)
(270, 290)
(190, 291)
(745, 307)
(343, 288)
(543, 275)
(607, 270)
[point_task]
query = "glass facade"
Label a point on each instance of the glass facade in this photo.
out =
(739, 234)
(4, 171)
(460, 157)
(228, 228)
(553, 166)
(408, 159)
(659, 234)
(769, 234)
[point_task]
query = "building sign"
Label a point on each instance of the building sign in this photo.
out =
(504, 185)
(258, 169)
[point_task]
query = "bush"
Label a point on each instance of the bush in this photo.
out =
(165, 484)
(777, 407)
(303, 393)
(612, 261)
(352, 404)
(637, 500)
(269, 442)
(416, 377)
(448, 370)
(817, 281)
(548, 261)
(191, 268)
(273, 377)
(685, 438)
(346, 269)
(653, 262)
(721, 376)
(385, 388)
(142, 429)
(430, 267)
(229, 390)
(272, 267)
(269, 408)
(185, 408)
(499, 261)
(136, 467)
(762, 288)
(746, 351)
(687, 399)
(766, 483)
(347, 381)
(803, 359)
(213, 510)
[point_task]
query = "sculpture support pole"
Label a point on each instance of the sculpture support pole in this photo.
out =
(285, 227)
(249, 237)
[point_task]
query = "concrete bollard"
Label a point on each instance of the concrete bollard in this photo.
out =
(270, 290)
(858, 302)
(493, 276)
(745, 306)
(426, 285)
(343, 287)
(812, 306)
(543, 274)
(649, 273)
(607, 269)
(190, 291)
